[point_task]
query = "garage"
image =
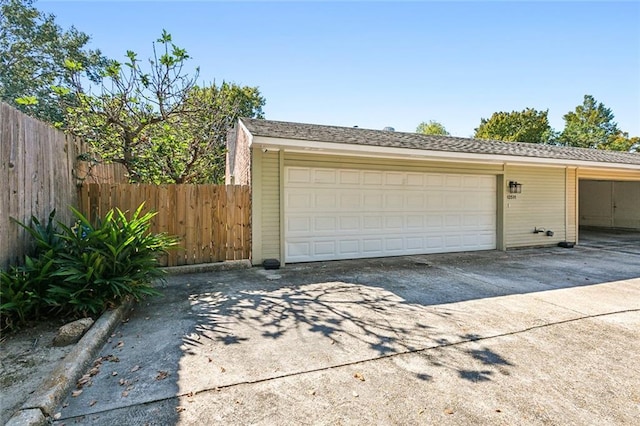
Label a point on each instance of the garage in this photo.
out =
(335, 213)
(321, 192)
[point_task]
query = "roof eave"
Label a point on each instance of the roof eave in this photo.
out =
(333, 148)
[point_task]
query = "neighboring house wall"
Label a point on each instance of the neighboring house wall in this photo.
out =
(238, 167)
(542, 204)
(230, 155)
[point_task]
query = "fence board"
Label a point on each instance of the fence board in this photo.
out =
(37, 174)
(212, 221)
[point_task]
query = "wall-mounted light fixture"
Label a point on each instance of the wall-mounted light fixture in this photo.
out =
(515, 187)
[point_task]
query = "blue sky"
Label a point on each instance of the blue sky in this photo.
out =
(377, 64)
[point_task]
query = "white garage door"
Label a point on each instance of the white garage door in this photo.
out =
(346, 214)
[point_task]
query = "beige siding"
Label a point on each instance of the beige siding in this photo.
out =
(540, 205)
(604, 174)
(316, 160)
(572, 205)
(266, 202)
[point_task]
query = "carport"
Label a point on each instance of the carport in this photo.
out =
(606, 203)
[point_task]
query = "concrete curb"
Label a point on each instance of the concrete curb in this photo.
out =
(208, 267)
(39, 408)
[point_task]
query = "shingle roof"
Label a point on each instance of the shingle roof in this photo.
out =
(382, 138)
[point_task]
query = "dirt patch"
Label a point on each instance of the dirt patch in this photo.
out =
(27, 357)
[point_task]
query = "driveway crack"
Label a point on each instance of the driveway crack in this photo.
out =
(472, 338)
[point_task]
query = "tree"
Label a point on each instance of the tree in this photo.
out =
(622, 142)
(528, 125)
(33, 50)
(432, 128)
(590, 125)
(155, 120)
(191, 148)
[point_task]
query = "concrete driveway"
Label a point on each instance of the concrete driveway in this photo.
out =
(540, 336)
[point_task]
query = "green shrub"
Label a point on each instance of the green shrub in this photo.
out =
(84, 269)
(23, 288)
(21, 292)
(47, 238)
(104, 263)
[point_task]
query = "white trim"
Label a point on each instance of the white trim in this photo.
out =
(333, 148)
(256, 208)
(247, 131)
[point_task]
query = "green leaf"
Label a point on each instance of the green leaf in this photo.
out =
(73, 66)
(27, 100)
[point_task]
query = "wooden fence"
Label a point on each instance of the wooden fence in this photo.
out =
(39, 172)
(212, 221)
(36, 176)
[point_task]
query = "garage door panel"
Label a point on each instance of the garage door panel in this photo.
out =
(349, 177)
(453, 202)
(435, 222)
(372, 178)
(415, 243)
(415, 179)
(434, 202)
(415, 222)
(434, 180)
(324, 248)
(299, 249)
(414, 201)
(372, 245)
(394, 223)
(349, 224)
(453, 220)
(326, 200)
(394, 244)
(394, 201)
(349, 247)
(394, 178)
(298, 224)
(434, 242)
(372, 223)
(324, 176)
(325, 224)
(298, 175)
(297, 201)
(373, 201)
(345, 214)
(348, 202)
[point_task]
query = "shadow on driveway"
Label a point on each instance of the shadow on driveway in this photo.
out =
(427, 315)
